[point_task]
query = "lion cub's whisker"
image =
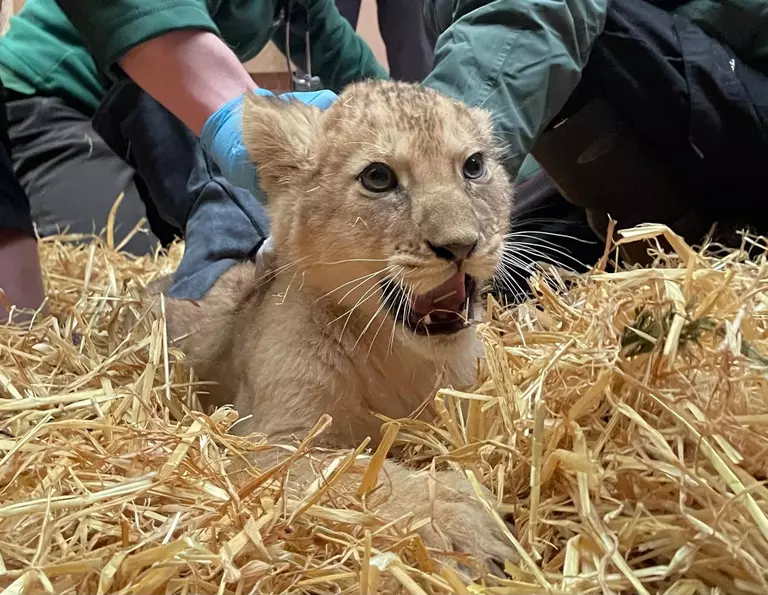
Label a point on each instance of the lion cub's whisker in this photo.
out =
(537, 233)
(517, 262)
(401, 301)
(353, 260)
(509, 283)
(383, 305)
(536, 250)
(267, 277)
(348, 314)
(365, 297)
(367, 278)
(362, 277)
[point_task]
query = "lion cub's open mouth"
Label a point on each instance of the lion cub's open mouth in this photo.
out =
(445, 310)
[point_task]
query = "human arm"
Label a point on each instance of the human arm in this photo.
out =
(20, 275)
(173, 50)
(20, 272)
(519, 59)
(192, 73)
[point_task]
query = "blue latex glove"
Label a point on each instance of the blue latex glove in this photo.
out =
(222, 136)
(223, 224)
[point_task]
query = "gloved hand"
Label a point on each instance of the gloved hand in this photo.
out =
(222, 136)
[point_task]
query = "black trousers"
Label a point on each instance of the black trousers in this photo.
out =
(72, 177)
(667, 125)
(14, 204)
(222, 224)
(409, 51)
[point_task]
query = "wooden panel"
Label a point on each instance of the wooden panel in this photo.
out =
(270, 59)
(368, 29)
(277, 82)
(6, 8)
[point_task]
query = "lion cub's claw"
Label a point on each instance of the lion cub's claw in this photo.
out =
(466, 528)
(459, 524)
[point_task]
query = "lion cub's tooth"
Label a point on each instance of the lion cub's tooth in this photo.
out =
(428, 319)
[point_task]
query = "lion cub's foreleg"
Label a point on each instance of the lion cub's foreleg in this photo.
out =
(441, 506)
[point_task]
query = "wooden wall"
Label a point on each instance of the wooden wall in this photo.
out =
(5, 12)
(7, 8)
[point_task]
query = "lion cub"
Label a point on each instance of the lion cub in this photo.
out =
(388, 214)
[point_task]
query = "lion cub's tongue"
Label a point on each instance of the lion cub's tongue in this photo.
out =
(449, 296)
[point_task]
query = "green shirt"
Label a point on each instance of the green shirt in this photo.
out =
(522, 59)
(70, 55)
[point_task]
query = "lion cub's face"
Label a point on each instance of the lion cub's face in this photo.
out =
(392, 202)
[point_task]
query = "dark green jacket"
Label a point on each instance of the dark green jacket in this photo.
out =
(522, 59)
(68, 48)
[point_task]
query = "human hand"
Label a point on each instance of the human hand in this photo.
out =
(266, 258)
(227, 225)
(21, 283)
(222, 136)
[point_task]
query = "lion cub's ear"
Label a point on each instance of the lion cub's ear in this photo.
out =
(279, 136)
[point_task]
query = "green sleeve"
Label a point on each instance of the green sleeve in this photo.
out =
(519, 59)
(110, 28)
(339, 55)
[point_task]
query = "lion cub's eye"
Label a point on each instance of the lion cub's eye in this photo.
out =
(378, 177)
(474, 167)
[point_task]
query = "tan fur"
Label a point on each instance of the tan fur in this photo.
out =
(310, 339)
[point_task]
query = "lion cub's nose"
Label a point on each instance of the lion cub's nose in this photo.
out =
(453, 252)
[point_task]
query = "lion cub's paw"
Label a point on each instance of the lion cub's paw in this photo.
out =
(466, 528)
(459, 523)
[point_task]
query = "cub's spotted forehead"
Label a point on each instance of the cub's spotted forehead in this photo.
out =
(386, 113)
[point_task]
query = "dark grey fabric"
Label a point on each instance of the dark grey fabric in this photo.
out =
(545, 228)
(14, 204)
(437, 16)
(401, 24)
(667, 125)
(696, 113)
(71, 176)
(222, 224)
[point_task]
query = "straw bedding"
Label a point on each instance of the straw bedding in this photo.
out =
(622, 417)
